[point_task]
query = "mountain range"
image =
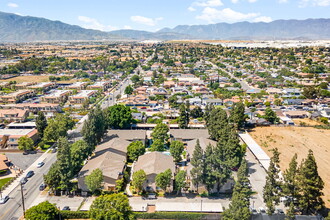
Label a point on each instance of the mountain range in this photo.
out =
(16, 28)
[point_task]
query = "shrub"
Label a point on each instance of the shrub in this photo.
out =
(169, 215)
(74, 214)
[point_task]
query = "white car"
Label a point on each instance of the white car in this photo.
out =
(40, 164)
(262, 210)
(4, 199)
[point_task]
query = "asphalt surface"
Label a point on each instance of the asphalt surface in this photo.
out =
(12, 209)
(23, 161)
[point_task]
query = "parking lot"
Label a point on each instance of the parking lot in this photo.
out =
(23, 161)
(73, 202)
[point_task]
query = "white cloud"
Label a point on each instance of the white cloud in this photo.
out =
(92, 23)
(252, 1)
(234, 1)
(145, 20)
(191, 8)
(12, 5)
(263, 19)
(305, 3)
(208, 3)
(283, 1)
(213, 15)
(127, 27)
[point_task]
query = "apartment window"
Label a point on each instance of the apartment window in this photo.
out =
(12, 139)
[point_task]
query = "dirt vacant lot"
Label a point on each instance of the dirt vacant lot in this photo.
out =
(291, 140)
(35, 78)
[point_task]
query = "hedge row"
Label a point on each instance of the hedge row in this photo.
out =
(169, 215)
(74, 214)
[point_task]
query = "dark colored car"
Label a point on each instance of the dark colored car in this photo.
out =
(66, 208)
(42, 187)
(30, 174)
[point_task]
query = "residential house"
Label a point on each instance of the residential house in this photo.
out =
(325, 113)
(17, 96)
(215, 102)
(291, 92)
(154, 163)
(110, 158)
(48, 109)
(24, 85)
(82, 96)
(296, 114)
(186, 135)
(128, 135)
(17, 115)
(58, 96)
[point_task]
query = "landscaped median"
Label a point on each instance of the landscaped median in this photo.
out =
(4, 181)
(142, 215)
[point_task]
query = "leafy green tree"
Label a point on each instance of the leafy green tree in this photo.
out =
(157, 145)
(310, 186)
(114, 206)
(271, 191)
(100, 123)
(180, 181)
(233, 152)
(163, 180)
(129, 90)
(119, 117)
(270, 115)
(42, 211)
(94, 180)
(41, 123)
(237, 116)
(58, 127)
(80, 151)
(160, 132)
(197, 112)
(53, 177)
(135, 149)
(183, 120)
(197, 161)
(176, 149)
(240, 201)
(311, 92)
(25, 143)
(89, 131)
(217, 124)
(139, 177)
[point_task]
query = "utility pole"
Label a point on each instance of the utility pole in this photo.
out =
(23, 205)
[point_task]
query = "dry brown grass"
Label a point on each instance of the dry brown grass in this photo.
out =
(291, 140)
(34, 78)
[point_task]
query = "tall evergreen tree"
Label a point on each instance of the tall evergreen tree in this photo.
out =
(41, 123)
(290, 180)
(221, 168)
(237, 116)
(209, 178)
(240, 201)
(65, 162)
(217, 124)
(197, 161)
(310, 186)
(89, 130)
(271, 189)
(100, 123)
(183, 117)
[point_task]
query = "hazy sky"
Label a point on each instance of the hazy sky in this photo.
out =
(153, 15)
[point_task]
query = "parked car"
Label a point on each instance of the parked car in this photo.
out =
(42, 187)
(151, 196)
(262, 210)
(4, 199)
(66, 208)
(279, 211)
(29, 174)
(23, 180)
(253, 211)
(40, 164)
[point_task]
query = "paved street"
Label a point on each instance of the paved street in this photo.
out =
(13, 208)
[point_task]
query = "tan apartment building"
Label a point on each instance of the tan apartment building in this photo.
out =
(49, 109)
(24, 85)
(57, 96)
(17, 115)
(17, 96)
(82, 96)
(77, 85)
(44, 86)
(102, 85)
(9, 137)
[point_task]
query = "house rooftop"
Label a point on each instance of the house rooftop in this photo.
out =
(154, 162)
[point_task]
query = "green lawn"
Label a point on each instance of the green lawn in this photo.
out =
(4, 181)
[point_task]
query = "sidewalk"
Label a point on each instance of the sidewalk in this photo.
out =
(16, 182)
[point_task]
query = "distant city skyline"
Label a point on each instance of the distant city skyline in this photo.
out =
(153, 15)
